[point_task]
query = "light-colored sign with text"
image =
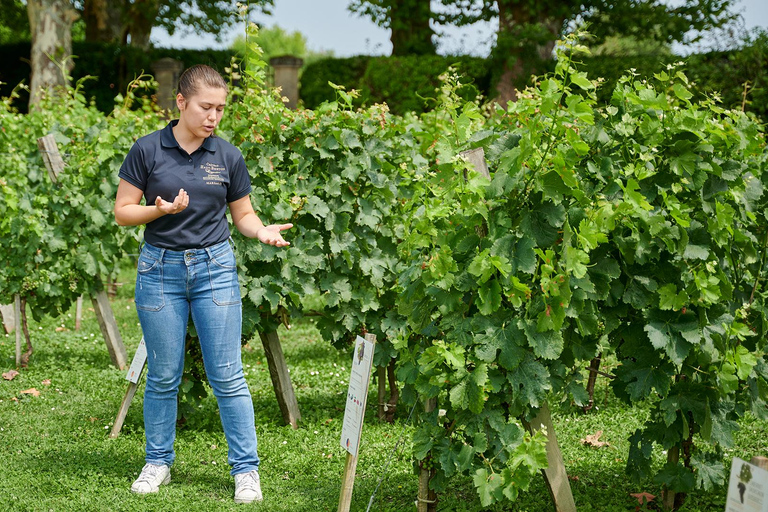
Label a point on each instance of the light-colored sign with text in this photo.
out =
(747, 488)
(357, 395)
(134, 372)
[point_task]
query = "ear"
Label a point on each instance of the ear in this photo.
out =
(181, 102)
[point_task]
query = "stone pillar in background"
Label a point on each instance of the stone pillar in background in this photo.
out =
(287, 77)
(167, 72)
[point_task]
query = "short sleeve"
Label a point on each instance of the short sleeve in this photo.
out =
(134, 168)
(239, 181)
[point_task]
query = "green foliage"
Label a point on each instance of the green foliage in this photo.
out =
(66, 243)
(14, 22)
(635, 226)
(276, 42)
(346, 71)
(405, 84)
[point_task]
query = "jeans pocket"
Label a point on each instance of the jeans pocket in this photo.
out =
(149, 284)
(225, 288)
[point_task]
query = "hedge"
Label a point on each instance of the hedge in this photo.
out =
(404, 83)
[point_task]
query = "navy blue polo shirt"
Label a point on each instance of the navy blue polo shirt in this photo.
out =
(214, 175)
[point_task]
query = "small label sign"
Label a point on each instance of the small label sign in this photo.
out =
(357, 394)
(134, 372)
(747, 488)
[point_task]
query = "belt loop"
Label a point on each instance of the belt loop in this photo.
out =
(162, 253)
(231, 243)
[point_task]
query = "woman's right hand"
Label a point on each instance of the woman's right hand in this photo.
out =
(179, 204)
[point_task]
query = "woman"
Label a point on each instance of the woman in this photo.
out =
(187, 177)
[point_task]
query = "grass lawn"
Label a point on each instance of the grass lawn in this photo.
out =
(56, 454)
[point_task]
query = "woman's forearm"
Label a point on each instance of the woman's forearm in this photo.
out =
(249, 225)
(136, 214)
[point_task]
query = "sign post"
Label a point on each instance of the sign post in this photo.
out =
(134, 375)
(352, 428)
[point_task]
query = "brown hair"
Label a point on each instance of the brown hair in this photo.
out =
(199, 75)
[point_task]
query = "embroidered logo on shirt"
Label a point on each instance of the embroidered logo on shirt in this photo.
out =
(213, 173)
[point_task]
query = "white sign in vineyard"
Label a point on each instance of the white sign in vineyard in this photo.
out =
(357, 395)
(747, 488)
(134, 372)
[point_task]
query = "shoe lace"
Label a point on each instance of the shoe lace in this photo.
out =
(249, 481)
(149, 472)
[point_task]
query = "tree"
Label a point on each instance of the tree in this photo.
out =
(529, 29)
(408, 20)
(132, 21)
(50, 23)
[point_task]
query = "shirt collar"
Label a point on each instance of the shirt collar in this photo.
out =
(169, 141)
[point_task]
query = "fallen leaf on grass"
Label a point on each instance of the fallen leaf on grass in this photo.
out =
(10, 374)
(594, 440)
(31, 391)
(46, 382)
(60, 329)
(643, 497)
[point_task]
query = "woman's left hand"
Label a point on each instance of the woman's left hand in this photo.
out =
(271, 235)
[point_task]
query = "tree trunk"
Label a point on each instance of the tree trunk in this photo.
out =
(142, 14)
(50, 23)
(525, 38)
(103, 21)
(409, 23)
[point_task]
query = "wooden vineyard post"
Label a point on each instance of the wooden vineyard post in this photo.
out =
(555, 474)
(761, 462)
(109, 329)
(17, 321)
(78, 313)
(54, 164)
(281, 379)
(426, 498)
(352, 428)
(381, 380)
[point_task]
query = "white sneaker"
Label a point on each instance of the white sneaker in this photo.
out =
(151, 478)
(247, 487)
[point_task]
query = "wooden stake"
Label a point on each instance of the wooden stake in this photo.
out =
(426, 498)
(555, 474)
(761, 462)
(78, 312)
(381, 378)
(123, 411)
(17, 320)
(51, 156)
(281, 379)
(347, 483)
(350, 467)
(109, 329)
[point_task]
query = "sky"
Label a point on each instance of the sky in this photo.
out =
(328, 25)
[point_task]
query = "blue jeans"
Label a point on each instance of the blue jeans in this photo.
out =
(169, 286)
